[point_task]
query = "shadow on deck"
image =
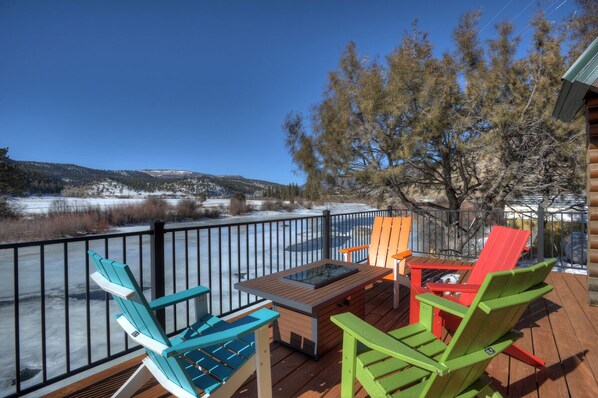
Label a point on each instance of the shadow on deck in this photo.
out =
(561, 328)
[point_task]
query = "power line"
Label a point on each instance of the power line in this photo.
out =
(527, 28)
(496, 15)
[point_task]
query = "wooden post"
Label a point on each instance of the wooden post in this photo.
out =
(592, 194)
(158, 282)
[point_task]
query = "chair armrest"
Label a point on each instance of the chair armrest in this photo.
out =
(439, 266)
(452, 287)
(384, 343)
(353, 249)
(443, 304)
(178, 297)
(224, 331)
(403, 255)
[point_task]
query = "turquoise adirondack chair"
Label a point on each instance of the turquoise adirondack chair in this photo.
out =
(211, 357)
(412, 362)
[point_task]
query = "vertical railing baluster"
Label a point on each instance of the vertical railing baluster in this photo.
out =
(67, 345)
(255, 247)
(157, 267)
(42, 283)
(296, 244)
(270, 243)
(540, 237)
(87, 303)
(106, 305)
(187, 274)
(209, 230)
(277, 246)
(230, 270)
(263, 249)
(219, 269)
(17, 320)
(284, 245)
(124, 249)
(174, 278)
(198, 262)
(326, 235)
(247, 265)
(140, 246)
(239, 260)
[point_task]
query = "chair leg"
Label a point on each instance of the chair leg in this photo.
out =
(262, 363)
(524, 356)
(413, 309)
(395, 301)
(348, 366)
(134, 383)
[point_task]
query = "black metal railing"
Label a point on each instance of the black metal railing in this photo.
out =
(55, 323)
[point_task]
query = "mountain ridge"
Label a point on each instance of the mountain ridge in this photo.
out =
(75, 180)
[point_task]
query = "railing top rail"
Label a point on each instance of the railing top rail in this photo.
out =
(235, 224)
(73, 239)
(360, 212)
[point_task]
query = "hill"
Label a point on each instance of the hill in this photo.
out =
(73, 180)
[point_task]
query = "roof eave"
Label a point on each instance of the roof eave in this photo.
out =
(576, 83)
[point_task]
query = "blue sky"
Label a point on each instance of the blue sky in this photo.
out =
(196, 85)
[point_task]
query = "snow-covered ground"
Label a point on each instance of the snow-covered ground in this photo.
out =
(41, 204)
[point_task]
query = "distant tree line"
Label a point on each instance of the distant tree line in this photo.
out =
(290, 192)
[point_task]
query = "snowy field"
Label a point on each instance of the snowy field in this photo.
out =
(40, 205)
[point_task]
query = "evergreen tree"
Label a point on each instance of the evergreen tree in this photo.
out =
(475, 125)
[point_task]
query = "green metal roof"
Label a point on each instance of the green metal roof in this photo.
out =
(576, 83)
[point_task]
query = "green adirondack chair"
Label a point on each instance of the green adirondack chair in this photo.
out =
(211, 357)
(412, 362)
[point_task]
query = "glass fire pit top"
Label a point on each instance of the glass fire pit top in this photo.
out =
(320, 276)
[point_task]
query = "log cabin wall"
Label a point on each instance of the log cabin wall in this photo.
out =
(592, 192)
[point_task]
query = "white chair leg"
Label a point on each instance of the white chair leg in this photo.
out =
(395, 300)
(396, 285)
(347, 257)
(262, 363)
(135, 382)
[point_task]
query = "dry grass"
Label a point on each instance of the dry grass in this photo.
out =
(66, 220)
(277, 205)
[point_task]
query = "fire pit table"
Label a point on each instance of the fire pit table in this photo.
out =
(306, 297)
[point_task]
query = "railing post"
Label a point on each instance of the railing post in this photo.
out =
(157, 252)
(540, 238)
(326, 236)
(389, 210)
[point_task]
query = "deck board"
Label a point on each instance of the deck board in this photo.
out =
(562, 329)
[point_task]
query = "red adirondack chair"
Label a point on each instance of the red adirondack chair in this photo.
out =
(500, 253)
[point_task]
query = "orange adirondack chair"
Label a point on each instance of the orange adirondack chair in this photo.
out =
(500, 253)
(387, 248)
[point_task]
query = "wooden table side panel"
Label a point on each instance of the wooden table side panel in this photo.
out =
(277, 290)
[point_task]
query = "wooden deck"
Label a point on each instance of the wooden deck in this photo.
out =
(561, 328)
